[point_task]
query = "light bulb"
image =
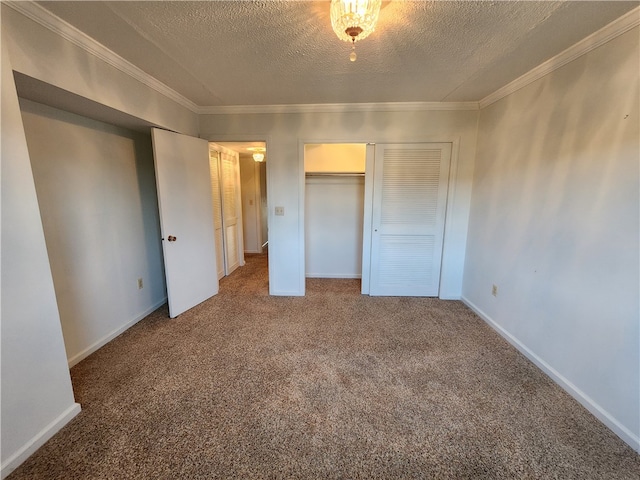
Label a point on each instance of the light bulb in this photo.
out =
(353, 56)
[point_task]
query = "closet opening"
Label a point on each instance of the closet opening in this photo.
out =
(334, 210)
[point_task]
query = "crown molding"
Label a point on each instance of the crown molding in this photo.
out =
(48, 20)
(607, 33)
(58, 26)
(339, 107)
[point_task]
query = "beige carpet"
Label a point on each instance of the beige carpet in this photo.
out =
(327, 386)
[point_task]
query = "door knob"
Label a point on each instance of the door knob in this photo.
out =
(171, 238)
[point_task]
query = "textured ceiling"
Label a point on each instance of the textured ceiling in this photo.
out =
(284, 52)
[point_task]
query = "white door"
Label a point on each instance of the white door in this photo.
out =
(251, 211)
(214, 167)
(231, 210)
(409, 201)
(186, 219)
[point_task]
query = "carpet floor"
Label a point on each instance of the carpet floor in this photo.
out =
(328, 386)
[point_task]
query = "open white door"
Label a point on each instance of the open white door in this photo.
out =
(409, 202)
(186, 218)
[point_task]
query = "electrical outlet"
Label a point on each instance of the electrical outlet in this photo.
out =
(279, 211)
(140, 284)
(494, 290)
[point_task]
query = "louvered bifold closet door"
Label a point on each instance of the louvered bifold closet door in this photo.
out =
(214, 168)
(231, 216)
(409, 202)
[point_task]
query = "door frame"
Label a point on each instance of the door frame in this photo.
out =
(371, 141)
(245, 137)
(258, 218)
(348, 182)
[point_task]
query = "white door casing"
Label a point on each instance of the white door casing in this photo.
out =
(186, 218)
(408, 214)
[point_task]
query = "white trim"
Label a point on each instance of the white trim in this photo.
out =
(285, 293)
(58, 26)
(369, 172)
(214, 147)
(600, 413)
(339, 107)
(110, 336)
(302, 192)
(15, 460)
(605, 34)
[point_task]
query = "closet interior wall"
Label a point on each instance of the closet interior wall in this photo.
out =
(334, 210)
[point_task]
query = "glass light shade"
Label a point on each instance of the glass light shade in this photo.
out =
(356, 16)
(258, 157)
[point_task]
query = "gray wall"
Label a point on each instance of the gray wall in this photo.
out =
(286, 135)
(334, 218)
(96, 189)
(37, 398)
(554, 224)
(41, 54)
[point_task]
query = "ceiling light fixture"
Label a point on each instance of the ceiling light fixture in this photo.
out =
(354, 20)
(258, 153)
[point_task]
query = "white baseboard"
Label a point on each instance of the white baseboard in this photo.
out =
(286, 293)
(15, 460)
(449, 297)
(336, 275)
(587, 402)
(110, 336)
